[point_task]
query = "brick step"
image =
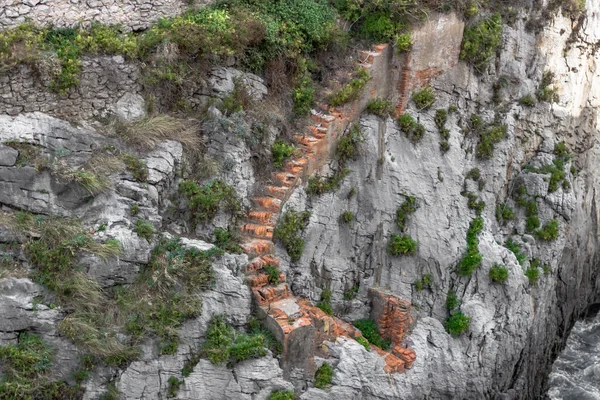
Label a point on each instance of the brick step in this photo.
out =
(267, 203)
(279, 192)
(284, 178)
(257, 247)
(257, 231)
(393, 364)
(269, 294)
(262, 217)
(295, 167)
(306, 141)
(318, 131)
(260, 280)
(407, 355)
(321, 119)
(259, 262)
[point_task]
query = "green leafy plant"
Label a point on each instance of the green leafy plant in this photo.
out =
(380, 107)
(504, 213)
(318, 185)
(280, 152)
(533, 274)
(527, 101)
(407, 208)
(137, 167)
(225, 240)
(452, 301)
(347, 217)
(472, 258)
(350, 294)
(325, 303)
(499, 273)
(174, 385)
(401, 245)
(514, 247)
(205, 201)
(546, 92)
(481, 41)
(144, 229)
(403, 42)
(413, 130)
(369, 330)
(424, 283)
(424, 98)
(223, 344)
(352, 90)
(272, 273)
(282, 395)
(549, 231)
(287, 230)
(348, 145)
(303, 95)
(458, 323)
(323, 376)
(364, 342)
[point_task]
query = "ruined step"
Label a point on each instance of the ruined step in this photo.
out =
(318, 132)
(284, 178)
(307, 141)
(268, 203)
(257, 231)
(322, 120)
(278, 192)
(260, 280)
(262, 217)
(257, 247)
(269, 294)
(294, 167)
(262, 261)
(407, 355)
(393, 364)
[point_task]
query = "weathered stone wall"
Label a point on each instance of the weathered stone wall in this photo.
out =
(131, 14)
(104, 81)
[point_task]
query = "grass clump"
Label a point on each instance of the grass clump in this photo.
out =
(473, 174)
(280, 151)
(25, 369)
(532, 273)
(441, 116)
(146, 133)
(350, 294)
(325, 303)
(504, 213)
(348, 145)
(369, 330)
(424, 98)
(424, 283)
(137, 167)
(411, 128)
(272, 273)
(347, 217)
(472, 258)
(457, 323)
(549, 231)
(225, 240)
(547, 91)
(282, 395)
(224, 345)
(514, 247)
(481, 41)
(452, 301)
(144, 229)
(474, 203)
(401, 245)
(364, 342)
(205, 201)
(303, 95)
(527, 101)
(174, 385)
(323, 376)
(287, 231)
(407, 208)
(318, 185)
(489, 135)
(499, 273)
(352, 90)
(380, 107)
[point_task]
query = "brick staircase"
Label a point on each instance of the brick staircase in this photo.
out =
(300, 326)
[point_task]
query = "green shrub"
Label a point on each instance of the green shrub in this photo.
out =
(458, 323)
(401, 245)
(533, 273)
(135, 210)
(273, 274)
(287, 230)
(378, 26)
(318, 185)
(514, 247)
(487, 140)
(532, 223)
(413, 130)
(380, 107)
(499, 273)
(546, 92)
(223, 344)
(144, 229)
(256, 327)
(225, 241)
(369, 330)
(472, 258)
(174, 385)
(352, 90)
(303, 95)
(474, 203)
(452, 301)
(348, 145)
(137, 167)
(364, 342)
(323, 376)
(549, 231)
(403, 42)
(504, 213)
(473, 174)
(560, 150)
(205, 201)
(347, 217)
(424, 283)
(424, 98)
(282, 395)
(481, 41)
(527, 101)
(408, 207)
(350, 294)
(280, 152)
(325, 303)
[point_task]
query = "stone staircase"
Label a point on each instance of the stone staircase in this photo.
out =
(300, 326)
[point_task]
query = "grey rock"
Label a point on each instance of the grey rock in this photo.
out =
(8, 156)
(131, 106)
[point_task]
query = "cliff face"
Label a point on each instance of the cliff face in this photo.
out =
(516, 327)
